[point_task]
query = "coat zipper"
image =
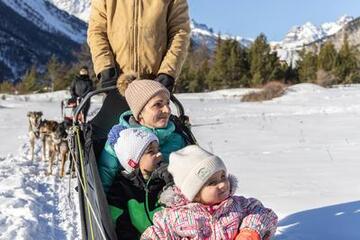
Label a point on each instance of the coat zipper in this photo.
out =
(147, 210)
(136, 36)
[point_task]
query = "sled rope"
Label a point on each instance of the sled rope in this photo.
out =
(84, 177)
(89, 205)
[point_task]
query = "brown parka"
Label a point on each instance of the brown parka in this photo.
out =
(146, 36)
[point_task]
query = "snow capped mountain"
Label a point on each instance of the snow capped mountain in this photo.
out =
(308, 33)
(333, 27)
(299, 36)
(78, 8)
(31, 31)
(49, 18)
(201, 33)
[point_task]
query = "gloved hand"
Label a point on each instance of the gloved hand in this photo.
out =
(107, 77)
(248, 234)
(162, 173)
(166, 80)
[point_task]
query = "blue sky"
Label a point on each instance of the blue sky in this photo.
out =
(272, 17)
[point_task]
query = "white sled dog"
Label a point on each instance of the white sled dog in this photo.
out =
(34, 129)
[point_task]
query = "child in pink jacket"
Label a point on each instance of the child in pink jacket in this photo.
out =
(201, 205)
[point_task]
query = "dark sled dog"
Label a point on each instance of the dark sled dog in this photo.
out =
(60, 143)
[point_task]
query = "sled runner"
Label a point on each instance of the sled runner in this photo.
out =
(86, 143)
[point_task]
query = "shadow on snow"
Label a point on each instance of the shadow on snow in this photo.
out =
(334, 222)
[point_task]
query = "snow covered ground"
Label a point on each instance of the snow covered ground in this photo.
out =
(298, 154)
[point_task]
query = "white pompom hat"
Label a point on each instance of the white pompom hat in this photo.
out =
(130, 146)
(191, 167)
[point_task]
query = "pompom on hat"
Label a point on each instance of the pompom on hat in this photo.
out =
(191, 167)
(138, 92)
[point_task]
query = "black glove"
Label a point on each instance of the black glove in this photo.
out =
(166, 80)
(107, 77)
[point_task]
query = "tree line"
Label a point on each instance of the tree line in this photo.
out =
(56, 75)
(230, 65)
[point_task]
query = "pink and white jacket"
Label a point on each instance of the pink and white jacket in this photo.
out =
(182, 219)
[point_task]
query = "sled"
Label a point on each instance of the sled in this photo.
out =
(68, 107)
(86, 143)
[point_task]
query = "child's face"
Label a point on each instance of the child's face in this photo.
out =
(150, 159)
(156, 112)
(215, 190)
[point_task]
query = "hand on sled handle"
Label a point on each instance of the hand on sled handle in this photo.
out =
(107, 77)
(166, 80)
(248, 234)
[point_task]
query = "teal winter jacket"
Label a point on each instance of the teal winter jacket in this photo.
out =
(108, 163)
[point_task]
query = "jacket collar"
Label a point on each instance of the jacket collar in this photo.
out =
(127, 120)
(138, 180)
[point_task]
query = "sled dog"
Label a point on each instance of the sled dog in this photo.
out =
(34, 129)
(59, 140)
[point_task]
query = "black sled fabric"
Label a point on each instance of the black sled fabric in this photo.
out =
(93, 139)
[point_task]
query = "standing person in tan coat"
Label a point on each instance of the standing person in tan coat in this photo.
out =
(149, 37)
(144, 36)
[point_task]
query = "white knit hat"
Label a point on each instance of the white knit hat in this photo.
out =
(130, 146)
(191, 167)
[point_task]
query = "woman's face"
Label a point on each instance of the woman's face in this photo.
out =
(150, 159)
(156, 112)
(215, 190)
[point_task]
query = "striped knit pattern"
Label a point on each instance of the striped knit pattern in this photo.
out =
(197, 221)
(139, 92)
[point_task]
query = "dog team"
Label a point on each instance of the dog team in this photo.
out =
(53, 137)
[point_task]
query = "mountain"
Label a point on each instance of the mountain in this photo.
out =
(78, 8)
(49, 18)
(305, 35)
(202, 34)
(31, 31)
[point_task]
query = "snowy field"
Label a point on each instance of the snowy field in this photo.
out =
(298, 154)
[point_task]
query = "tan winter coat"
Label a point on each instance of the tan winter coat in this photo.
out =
(145, 36)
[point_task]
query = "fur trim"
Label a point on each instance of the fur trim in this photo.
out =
(124, 80)
(172, 197)
(233, 184)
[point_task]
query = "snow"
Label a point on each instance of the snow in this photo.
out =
(298, 154)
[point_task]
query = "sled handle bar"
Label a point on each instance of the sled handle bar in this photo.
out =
(177, 103)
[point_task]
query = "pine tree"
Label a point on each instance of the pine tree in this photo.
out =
(327, 57)
(195, 70)
(199, 78)
(277, 71)
(52, 72)
(307, 66)
(29, 81)
(237, 64)
(262, 61)
(291, 75)
(6, 87)
(346, 64)
(65, 75)
(217, 74)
